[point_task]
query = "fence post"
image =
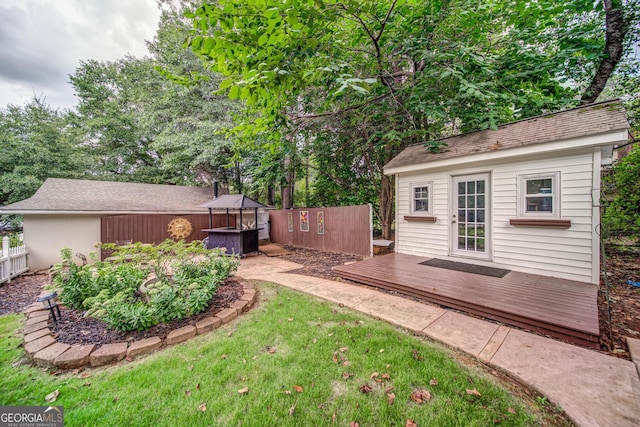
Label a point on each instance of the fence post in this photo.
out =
(5, 257)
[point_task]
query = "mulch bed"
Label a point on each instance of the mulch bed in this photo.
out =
(317, 263)
(74, 328)
(23, 291)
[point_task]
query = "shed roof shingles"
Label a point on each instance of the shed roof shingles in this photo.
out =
(584, 121)
(106, 196)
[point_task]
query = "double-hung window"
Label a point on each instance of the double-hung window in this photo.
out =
(539, 195)
(421, 198)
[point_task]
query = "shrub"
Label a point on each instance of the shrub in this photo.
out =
(187, 277)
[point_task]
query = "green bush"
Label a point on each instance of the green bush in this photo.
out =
(622, 215)
(118, 292)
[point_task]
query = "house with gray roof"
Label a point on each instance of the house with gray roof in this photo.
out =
(524, 197)
(80, 213)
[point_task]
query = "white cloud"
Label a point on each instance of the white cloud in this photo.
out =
(43, 41)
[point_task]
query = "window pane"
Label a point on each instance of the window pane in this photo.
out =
(539, 186)
(461, 243)
(471, 243)
(481, 201)
(471, 216)
(471, 201)
(461, 215)
(480, 231)
(480, 216)
(462, 230)
(471, 230)
(422, 206)
(480, 245)
(461, 188)
(539, 204)
(471, 187)
(480, 187)
(461, 202)
(421, 192)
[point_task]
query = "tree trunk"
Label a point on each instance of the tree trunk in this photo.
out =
(613, 49)
(386, 206)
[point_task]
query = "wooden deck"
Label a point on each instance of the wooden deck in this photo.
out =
(560, 308)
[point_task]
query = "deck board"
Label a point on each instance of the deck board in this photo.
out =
(562, 308)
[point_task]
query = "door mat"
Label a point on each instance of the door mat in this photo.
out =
(466, 268)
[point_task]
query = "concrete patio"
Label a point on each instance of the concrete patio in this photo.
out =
(594, 389)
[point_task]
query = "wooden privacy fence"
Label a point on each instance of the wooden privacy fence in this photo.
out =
(346, 229)
(13, 261)
(154, 228)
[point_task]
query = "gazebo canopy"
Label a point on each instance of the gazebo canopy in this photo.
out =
(232, 201)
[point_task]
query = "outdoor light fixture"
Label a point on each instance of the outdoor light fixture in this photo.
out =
(49, 302)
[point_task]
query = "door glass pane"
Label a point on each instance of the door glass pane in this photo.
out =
(480, 245)
(471, 244)
(471, 230)
(462, 230)
(461, 243)
(480, 215)
(480, 187)
(461, 188)
(461, 202)
(471, 201)
(480, 230)
(471, 216)
(461, 215)
(471, 187)
(481, 201)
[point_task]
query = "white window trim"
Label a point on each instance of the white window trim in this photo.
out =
(412, 204)
(522, 193)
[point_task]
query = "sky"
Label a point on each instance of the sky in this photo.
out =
(43, 41)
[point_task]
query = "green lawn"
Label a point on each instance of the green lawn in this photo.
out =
(302, 361)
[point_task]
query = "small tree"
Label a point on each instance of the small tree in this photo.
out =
(622, 215)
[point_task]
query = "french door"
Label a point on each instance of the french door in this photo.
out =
(470, 222)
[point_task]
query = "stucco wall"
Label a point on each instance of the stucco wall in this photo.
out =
(45, 235)
(566, 253)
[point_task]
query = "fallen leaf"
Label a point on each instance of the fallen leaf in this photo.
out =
(272, 350)
(433, 381)
(420, 396)
(198, 386)
(115, 399)
(331, 334)
(315, 340)
(87, 384)
(390, 398)
(335, 357)
(382, 350)
(298, 388)
(292, 410)
(287, 392)
(229, 334)
(345, 363)
(388, 366)
(411, 423)
(203, 407)
(365, 388)
(244, 390)
(290, 319)
(84, 375)
(333, 417)
(511, 411)
(51, 397)
(244, 361)
(187, 392)
(343, 349)
(354, 424)
(347, 375)
(374, 375)
(473, 392)
(386, 376)
(390, 389)
(224, 356)
(130, 359)
(416, 356)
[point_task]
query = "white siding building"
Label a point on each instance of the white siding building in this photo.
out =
(523, 197)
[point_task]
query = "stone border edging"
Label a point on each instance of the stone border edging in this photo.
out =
(41, 347)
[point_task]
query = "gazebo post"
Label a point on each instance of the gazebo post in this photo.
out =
(256, 218)
(240, 219)
(210, 219)
(227, 217)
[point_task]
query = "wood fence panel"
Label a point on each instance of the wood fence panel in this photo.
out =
(148, 228)
(347, 229)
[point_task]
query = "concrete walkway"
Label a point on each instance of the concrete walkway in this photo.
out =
(593, 389)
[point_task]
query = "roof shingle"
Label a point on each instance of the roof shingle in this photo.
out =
(583, 121)
(108, 196)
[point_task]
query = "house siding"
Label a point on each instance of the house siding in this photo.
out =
(565, 253)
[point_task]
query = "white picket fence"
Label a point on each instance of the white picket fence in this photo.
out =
(13, 261)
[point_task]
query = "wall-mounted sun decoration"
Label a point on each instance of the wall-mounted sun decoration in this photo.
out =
(179, 228)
